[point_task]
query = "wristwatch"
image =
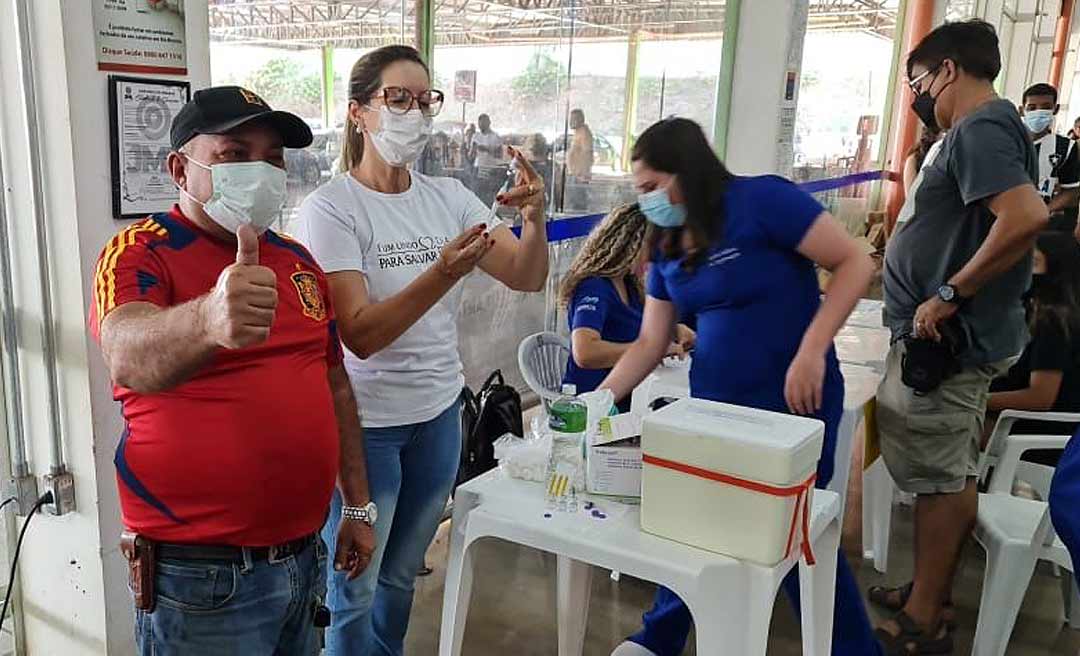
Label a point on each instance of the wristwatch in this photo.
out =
(950, 294)
(368, 514)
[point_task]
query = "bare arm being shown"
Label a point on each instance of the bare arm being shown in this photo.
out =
(368, 327)
(828, 245)
(591, 351)
(1039, 396)
(356, 540)
(646, 352)
(521, 264)
(1020, 215)
(149, 349)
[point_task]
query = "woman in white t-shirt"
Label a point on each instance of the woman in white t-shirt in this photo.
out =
(394, 244)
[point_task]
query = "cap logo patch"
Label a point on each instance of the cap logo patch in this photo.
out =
(252, 98)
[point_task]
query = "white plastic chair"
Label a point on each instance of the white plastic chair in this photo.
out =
(1016, 534)
(879, 490)
(1038, 476)
(542, 359)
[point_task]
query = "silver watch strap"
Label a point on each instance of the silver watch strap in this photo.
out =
(356, 514)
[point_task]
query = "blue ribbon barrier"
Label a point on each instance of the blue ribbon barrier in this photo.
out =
(580, 226)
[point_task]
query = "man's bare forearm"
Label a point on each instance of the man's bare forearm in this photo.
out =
(149, 349)
(352, 475)
(1064, 200)
(1020, 218)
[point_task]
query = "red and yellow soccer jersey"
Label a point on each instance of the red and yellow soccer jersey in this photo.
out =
(245, 452)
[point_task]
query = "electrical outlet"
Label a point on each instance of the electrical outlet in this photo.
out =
(24, 490)
(62, 486)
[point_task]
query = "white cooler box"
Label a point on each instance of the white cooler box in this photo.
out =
(700, 458)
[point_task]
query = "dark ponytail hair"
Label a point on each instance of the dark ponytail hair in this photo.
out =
(1058, 299)
(364, 82)
(679, 147)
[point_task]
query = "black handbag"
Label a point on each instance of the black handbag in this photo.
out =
(485, 417)
(927, 363)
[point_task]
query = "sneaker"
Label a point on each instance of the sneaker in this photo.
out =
(631, 649)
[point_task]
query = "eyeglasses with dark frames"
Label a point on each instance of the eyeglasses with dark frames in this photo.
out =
(400, 100)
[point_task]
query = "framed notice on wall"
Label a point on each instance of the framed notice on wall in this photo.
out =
(141, 112)
(140, 36)
(465, 86)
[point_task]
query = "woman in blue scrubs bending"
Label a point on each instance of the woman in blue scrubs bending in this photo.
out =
(740, 254)
(604, 296)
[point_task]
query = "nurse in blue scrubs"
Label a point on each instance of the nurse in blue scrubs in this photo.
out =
(604, 295)
(740, 253)
(1065, 501)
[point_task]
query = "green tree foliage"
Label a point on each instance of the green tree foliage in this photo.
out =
(539, 80)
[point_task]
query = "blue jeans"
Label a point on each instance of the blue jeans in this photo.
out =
(411, 470)
(1065, 501)
(221, 609)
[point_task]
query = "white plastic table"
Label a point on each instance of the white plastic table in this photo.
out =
(863, 346)
(867, 314)
(731, 600)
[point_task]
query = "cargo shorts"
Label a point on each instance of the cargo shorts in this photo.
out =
(931, 443)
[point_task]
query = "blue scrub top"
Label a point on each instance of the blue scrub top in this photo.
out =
(754, 296)
(596, 304)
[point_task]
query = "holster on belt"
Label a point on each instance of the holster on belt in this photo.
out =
(141, 554)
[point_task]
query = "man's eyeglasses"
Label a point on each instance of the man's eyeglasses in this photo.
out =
(400, 100)
(914, 83)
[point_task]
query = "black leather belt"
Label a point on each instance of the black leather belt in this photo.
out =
(229, 554)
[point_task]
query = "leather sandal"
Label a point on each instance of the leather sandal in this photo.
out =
(913, 641)
(895, 598)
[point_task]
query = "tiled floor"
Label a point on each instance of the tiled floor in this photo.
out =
(514, 600)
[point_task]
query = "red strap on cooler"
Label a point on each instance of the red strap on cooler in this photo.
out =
(802, 501)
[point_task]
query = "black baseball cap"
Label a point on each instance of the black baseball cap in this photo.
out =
(218, 110)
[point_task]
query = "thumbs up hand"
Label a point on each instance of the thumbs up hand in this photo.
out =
(240, 309)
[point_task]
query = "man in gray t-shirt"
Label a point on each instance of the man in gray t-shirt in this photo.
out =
(958, 266)
(985, 154)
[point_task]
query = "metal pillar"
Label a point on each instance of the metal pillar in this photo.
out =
(1061, 42)
(630, 98)
(918, 21)
(726, 78)
(328, 85)
(889, 112)
(425, 31)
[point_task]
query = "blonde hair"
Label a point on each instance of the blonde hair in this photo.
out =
(610, 251)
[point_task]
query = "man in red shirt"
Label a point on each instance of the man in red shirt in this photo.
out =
(222, 346)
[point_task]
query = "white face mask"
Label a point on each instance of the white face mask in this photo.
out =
(244, 192)
(401, 138)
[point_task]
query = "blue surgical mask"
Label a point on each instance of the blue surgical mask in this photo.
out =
(1038, 120)
(244, 192)
(659, 210)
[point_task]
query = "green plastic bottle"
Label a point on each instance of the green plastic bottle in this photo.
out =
(568, 415)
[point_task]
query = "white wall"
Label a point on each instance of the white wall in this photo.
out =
(766, 28)
(74, 583)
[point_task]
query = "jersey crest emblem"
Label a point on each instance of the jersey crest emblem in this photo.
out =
(307, 287)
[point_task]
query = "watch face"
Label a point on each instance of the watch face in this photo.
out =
(372, 512)
(947, 293)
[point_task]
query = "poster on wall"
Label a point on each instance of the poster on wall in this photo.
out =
(141, 112)
(140, 36)
(465, 86)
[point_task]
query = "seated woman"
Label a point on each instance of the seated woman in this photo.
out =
(1047, 375)
(604, 296)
